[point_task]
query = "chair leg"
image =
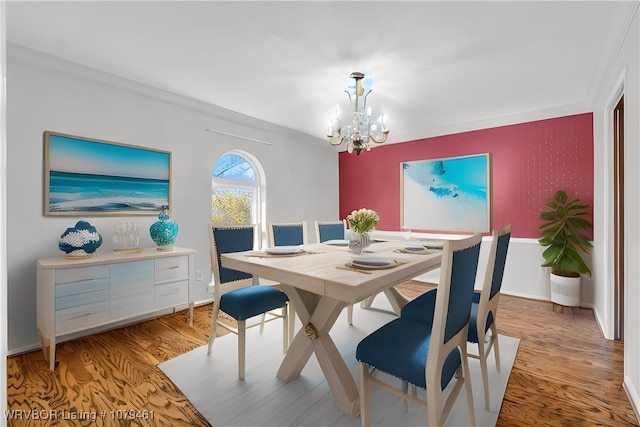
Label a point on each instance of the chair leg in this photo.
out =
(242, 344)
(350, 314)
(482, 355)
(365, 395)
(467, 385)
(434, 402)
(262, 322)
(496, 344)
(214, 326)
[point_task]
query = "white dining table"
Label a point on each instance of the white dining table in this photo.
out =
(320, 286)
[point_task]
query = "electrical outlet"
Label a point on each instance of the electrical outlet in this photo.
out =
(199, 275)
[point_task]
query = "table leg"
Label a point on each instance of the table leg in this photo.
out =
(396, 299)
(318, 314)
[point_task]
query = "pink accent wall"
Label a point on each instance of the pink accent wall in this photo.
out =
(529, 162)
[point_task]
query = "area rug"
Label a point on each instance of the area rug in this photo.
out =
(211, 383)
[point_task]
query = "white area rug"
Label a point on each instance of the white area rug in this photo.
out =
(211, 382)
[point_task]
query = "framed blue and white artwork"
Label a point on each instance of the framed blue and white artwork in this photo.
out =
(86, 176)
(446, 195)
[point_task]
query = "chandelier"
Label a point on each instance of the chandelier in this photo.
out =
(360, 132)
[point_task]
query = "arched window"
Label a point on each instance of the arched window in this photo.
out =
(236, 190)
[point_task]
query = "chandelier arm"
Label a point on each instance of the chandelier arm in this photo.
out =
(331, 138)
(382, 140)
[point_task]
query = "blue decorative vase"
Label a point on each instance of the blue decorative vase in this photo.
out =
(80, 241)
(164, 231)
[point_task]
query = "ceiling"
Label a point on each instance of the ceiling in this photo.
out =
(433, 65)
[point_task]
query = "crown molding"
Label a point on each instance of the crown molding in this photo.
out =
(71, 70)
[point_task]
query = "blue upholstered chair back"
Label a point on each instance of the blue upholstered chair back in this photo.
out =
(288, 234)
(330, 231)
(501, 260)
(463, 276)
(228, 240)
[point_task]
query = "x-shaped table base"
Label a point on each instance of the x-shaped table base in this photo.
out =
(318, 314)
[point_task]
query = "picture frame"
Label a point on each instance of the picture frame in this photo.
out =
(92, 177)
(446, 195)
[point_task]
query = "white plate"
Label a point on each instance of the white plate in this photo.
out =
(283, 250)
(337, 242)
(414, 248)
(372, 262)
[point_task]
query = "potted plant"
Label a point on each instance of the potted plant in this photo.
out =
(561, 235)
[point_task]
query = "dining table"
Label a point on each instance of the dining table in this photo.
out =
(321, 279)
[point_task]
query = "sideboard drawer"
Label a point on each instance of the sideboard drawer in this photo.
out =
(82, 317)
(99, 295)
(174, 268)
(68, 275)
(171, 294)
(82, 287)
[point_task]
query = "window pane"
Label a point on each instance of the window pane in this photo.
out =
(232, 166)
(232, 206)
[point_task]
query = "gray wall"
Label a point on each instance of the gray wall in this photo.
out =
(45, 93)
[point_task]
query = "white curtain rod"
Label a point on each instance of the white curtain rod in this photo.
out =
(238, 136)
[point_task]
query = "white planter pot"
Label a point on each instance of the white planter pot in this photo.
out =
(565, 290)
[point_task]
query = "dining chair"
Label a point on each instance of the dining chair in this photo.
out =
(237, 294)
(333, 230)
(330, 230)
(485, 307)
(430, 351)
(287, 233)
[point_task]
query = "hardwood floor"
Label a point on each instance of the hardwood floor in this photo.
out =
(565, 373)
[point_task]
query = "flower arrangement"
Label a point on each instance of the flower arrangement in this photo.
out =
(363, 220)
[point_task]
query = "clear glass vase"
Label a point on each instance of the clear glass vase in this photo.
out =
(359, 242)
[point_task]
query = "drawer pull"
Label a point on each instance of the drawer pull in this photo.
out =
(173, 291)
(80, 315)
(174, 267)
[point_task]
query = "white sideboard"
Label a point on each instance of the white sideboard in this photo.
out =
(74, 295)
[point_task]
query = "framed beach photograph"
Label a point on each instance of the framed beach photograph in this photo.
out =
(446, 195)
(85, 176)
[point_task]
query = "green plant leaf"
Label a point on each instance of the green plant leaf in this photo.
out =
(560, 234)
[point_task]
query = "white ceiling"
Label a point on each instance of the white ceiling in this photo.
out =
(435, 65)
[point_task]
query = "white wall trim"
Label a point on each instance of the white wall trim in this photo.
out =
(507, 120)
(633, 395)
(608, 316)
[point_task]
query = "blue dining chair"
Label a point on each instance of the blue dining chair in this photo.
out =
(287, 233)
(237, 294)
(330, 230)
(430, 351)
(485, 307)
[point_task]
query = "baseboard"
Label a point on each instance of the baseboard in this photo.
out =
(633, 396)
